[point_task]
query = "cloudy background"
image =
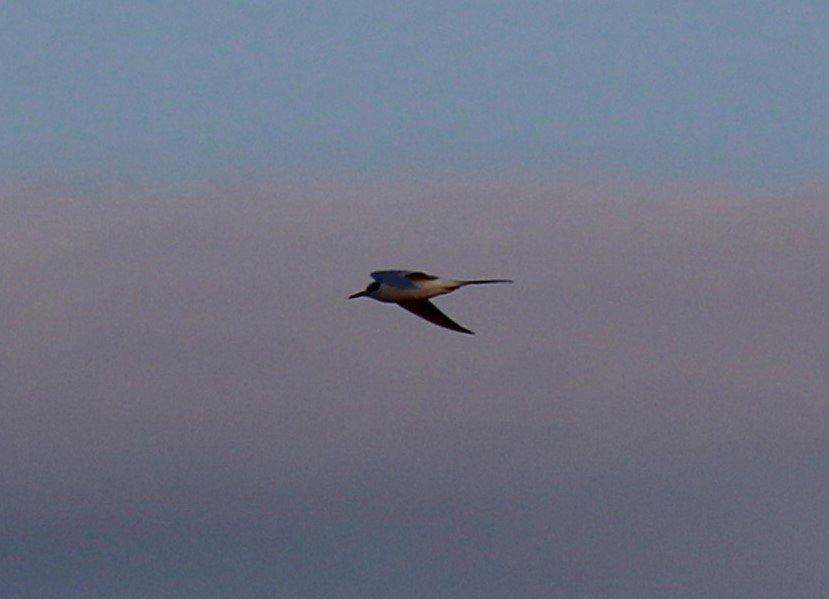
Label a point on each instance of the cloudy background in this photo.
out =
(191, 407)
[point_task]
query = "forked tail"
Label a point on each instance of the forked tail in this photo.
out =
(485, 281)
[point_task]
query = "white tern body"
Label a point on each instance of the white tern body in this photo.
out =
(411, 290)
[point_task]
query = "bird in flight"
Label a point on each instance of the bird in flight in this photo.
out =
(411, 291)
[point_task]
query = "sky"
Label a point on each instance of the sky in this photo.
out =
(192, 407)
(179, 92)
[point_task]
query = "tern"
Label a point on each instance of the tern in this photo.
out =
(412, 289)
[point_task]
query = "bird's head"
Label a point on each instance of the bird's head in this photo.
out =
(371, 288)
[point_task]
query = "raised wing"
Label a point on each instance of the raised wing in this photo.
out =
(428, 311)
(395, 278)
(420, 276)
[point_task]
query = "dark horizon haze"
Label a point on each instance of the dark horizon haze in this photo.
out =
(193, 408)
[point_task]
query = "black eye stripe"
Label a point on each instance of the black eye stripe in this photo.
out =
(373, 286)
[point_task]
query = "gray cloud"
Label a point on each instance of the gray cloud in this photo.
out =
(192, 406)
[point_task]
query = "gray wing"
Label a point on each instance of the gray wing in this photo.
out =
(428, 311)
(419, 276)
(395, 278)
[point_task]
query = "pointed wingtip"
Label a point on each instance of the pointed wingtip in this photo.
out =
(428, 311)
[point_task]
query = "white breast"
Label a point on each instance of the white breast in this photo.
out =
(422, 290)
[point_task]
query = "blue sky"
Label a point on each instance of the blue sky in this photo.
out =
(148, 92)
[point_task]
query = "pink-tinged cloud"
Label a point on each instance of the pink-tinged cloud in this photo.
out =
(657, 373)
